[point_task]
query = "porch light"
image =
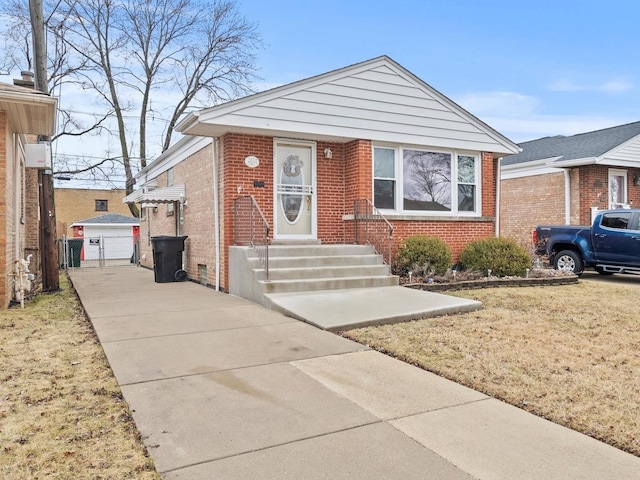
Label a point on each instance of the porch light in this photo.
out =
(328, 153)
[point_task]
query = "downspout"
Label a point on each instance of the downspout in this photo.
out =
(216, 211)
(19, 199)
(497, 232)
(567, 196)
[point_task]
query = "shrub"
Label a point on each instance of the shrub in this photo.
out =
(422, 254)
(503, 256)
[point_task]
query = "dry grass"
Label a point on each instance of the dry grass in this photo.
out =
(61, 411)
(568, 353)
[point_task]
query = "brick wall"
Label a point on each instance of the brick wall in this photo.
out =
(358, 176)
(345, 177)
(5, 160)
(529, 201)
(593, 182)
(196, 173)
(540, 199)
(18, 219)
(199, 219)
(234, 149)
(74, 204)
(332, 204)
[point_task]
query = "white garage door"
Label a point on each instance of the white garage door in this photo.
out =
(117, 242)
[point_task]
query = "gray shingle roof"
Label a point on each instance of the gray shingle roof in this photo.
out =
(111, 218)
(582, 145)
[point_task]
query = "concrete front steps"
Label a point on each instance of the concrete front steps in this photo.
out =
(306, 268)
(334, 287)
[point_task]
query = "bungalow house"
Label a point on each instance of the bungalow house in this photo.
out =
(24, 113)
(565, 180)
(321, 162)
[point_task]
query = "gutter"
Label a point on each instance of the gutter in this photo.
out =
(498, 181)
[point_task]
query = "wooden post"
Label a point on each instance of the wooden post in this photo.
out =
(48, 237)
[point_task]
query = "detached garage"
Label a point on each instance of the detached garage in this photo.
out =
(110, 236)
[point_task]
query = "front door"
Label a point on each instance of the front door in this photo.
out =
(295, 200)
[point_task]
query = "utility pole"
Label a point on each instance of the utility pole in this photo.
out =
(48, 237)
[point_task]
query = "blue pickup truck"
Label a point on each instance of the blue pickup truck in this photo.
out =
(611, 245)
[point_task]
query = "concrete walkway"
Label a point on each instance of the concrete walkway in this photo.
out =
(220, 387)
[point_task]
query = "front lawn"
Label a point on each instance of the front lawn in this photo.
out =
(570, 354)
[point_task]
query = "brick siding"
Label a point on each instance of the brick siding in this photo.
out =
(18, 210)
(540, 199)
(75, 204)
(6, 158)
(530, 201)
(345, 177)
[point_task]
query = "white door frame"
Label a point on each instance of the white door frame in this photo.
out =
(616, 172)
(313, 235)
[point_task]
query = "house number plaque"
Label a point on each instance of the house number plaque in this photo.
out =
(251, 161)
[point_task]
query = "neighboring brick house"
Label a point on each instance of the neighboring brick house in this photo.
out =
(24, 113)
(306, 151)
(74, 204)
(565, 180)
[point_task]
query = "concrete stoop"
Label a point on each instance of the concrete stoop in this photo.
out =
(305, 268)
(333, 286)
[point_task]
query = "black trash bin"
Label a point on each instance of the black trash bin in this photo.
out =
(167, 258)
(74, 249)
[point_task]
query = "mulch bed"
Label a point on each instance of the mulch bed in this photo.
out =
(542, 278)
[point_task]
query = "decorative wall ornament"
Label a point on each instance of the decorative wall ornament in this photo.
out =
(251, 161)
(292, 165)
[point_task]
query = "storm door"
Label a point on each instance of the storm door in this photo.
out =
(295, 200)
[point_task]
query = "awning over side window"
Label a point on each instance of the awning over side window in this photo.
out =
(174, 193)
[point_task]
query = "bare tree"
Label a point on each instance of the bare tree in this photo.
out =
(133, 54)
(62, 66)
(138, 48)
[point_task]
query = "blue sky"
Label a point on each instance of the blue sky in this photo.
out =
(528, 69)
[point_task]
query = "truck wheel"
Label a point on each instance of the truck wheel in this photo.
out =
(568, 261)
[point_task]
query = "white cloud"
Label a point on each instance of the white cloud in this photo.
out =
(518, 117)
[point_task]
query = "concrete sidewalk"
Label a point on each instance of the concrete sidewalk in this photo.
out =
(221, 387)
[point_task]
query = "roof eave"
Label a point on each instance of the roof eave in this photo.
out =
(576, 162)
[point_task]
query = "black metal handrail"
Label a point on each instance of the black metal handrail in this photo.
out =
(250, 227)
(372, 228)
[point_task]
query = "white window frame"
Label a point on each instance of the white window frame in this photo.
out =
(399, 181)
(394, 179)
(614, 172)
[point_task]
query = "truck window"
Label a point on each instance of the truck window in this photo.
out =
(618, 221)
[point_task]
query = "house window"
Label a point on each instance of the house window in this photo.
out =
(384, 178)
(437, 182)
(618, 189)
(426, 180)
(466, 183)
(102, 205)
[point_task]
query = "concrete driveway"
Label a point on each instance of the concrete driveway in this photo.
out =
(619, 278)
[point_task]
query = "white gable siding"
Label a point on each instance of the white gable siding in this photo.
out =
(629, 152)
(376, 101)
